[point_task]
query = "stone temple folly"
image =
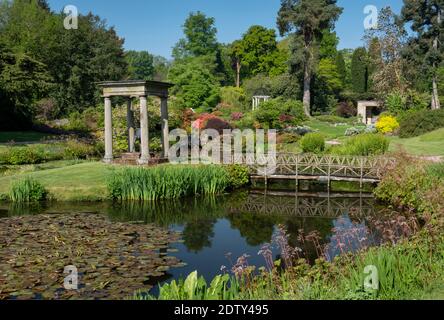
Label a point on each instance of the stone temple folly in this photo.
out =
(141, 90)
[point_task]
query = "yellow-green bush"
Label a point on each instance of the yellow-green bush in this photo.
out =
(387, 124)
(313, 143)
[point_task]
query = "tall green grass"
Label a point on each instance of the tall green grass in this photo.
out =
(166, 182)
(27, 190)
(368, 144)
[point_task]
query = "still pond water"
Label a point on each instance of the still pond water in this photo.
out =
(214, 229)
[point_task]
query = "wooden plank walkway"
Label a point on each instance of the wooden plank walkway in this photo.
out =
(325, 168)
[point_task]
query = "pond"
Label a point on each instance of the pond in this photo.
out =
(120, 248)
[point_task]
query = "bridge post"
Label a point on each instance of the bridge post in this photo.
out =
(297, 173)
(329, 176)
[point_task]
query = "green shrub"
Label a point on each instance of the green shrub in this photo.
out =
(167, 182)
(312, 143)
(367, 144)
(239, 176)
(413, 186)
(247, 122)
(234, 98)
(78, 150)
(288, 138)
(280, 113)
(413, 124)
(23, 155)
(155, 144)
(27, 190)
(36, 154)
(398, 103)
(395, 102)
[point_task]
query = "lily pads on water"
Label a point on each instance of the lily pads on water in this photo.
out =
(113, 260)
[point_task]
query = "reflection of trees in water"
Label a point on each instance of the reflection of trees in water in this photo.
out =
(198, 234)
(171, 212)
(199, 215)
(256, 229)
(24, 209)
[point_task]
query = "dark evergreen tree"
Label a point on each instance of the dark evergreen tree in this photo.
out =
(359, 71)
(306, 20)
(342, 68)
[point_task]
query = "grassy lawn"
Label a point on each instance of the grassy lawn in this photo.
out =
(21, 136)
(429, 144)
(85, 181)
(329, 130)
(7, 170)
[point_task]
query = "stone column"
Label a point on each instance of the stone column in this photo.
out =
(108, 131)
(165, 127)
(144, 132)
(130, 125)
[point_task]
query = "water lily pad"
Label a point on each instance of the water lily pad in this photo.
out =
(112, 259)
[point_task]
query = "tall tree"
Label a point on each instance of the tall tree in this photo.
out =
(307, 20)
(342, 68)
(200, 37)
(161, 66)
(196, 86)
(75, 59)
(257, 52)
(359, 71)
(23, 80)
(140, 65)
(385, 44)
(237, 53)
(375, 64)
(426, 20)
(328, 46)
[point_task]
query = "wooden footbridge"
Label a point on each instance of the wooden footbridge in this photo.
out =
(288, 166)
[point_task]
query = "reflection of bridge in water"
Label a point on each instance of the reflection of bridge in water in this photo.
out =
(316, 205)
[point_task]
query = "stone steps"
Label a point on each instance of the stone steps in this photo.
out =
(131, 159)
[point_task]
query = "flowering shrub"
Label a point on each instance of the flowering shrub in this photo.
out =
(236, 116)
(387, 124)
(210, 121)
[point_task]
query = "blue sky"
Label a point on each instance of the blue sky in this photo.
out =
(156, 25)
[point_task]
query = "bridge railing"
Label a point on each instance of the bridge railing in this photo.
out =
(354, 167)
